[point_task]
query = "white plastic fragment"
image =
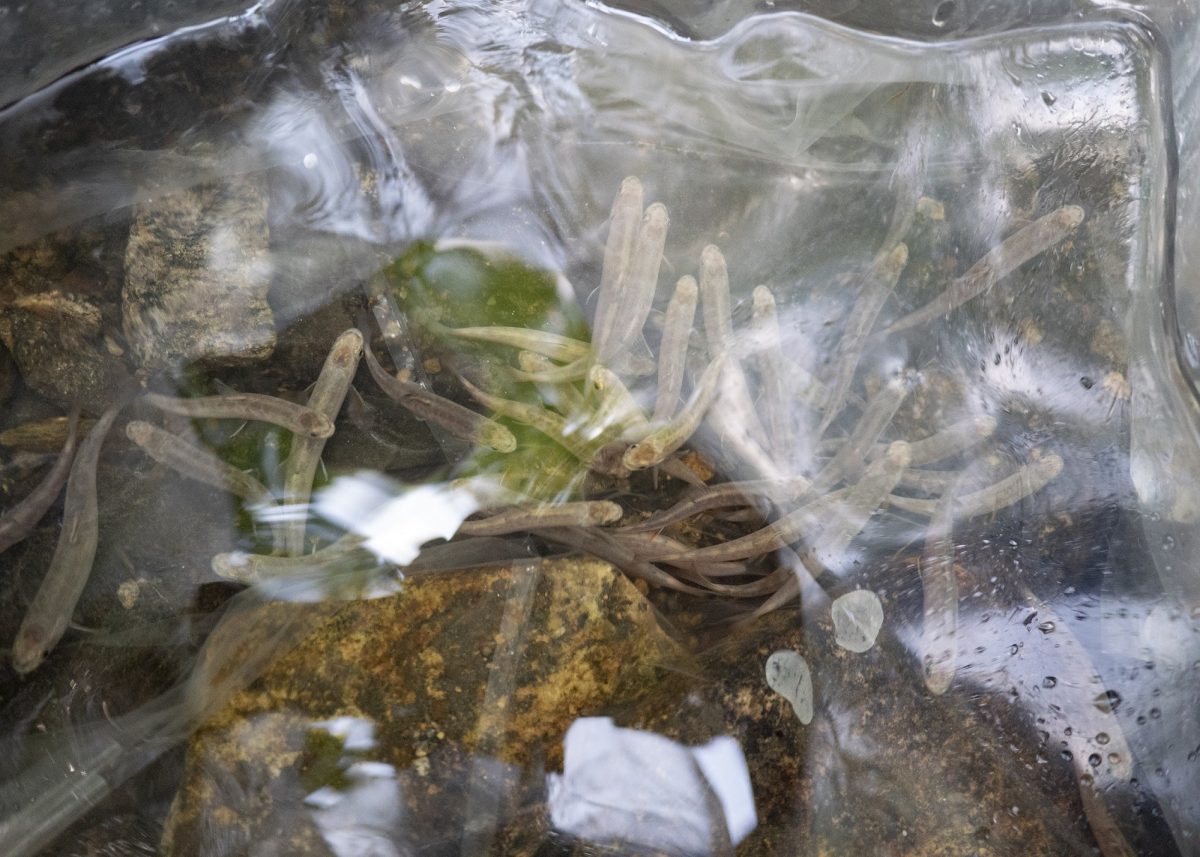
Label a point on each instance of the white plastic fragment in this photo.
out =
(857, 618)
(789, 676)
(648, 791)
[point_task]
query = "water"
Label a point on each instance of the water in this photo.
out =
(207, 212)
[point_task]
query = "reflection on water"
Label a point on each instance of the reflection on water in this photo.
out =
(847, 354)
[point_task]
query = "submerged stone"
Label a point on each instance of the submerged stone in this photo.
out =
(58, 342)
(197, 273)
(454, 688)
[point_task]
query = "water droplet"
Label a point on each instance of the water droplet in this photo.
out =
(1086, 382)
(1067, 755)
(1094, 760)
(1114, 758)
(1048, 98)
(1049, 682)
(1086, 779)
(857, 618)
(1046, 627)
(1102, 738)
(789, 676)
(1155, 714)
(1107, 701)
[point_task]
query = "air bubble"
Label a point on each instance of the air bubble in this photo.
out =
(1049, 682)
(943, 13)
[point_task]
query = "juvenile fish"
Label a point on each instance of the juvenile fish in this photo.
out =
(655, 547)
(1028, 480)
(617, 409)
(800, 580)
(735, 402)
(49, 613)
(724, 495)
(539, 369)
(601, 545)
(640, 283)
(672, 353)
(848, 517)
(297, 419)
(939, 592)
(547, 422)
(18, 522)
(953, 440)
(998, 263)
(561, 348)
(766, 585)
(877, 287)
(196, 462)
(828, 523)
(586, 513)
(300, 468)
(802, 523)
(622, 235)
(768, 355)
(457, 420)
(250, 568)
(849, 461)
(663, 441)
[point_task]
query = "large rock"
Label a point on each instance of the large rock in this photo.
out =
(446, 693)
(197, 272)
(59, 346)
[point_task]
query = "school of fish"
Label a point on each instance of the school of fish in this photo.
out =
(807, 459)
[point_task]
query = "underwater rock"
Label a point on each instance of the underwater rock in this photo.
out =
(58, 343)
(197, 274)
(424, 708)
